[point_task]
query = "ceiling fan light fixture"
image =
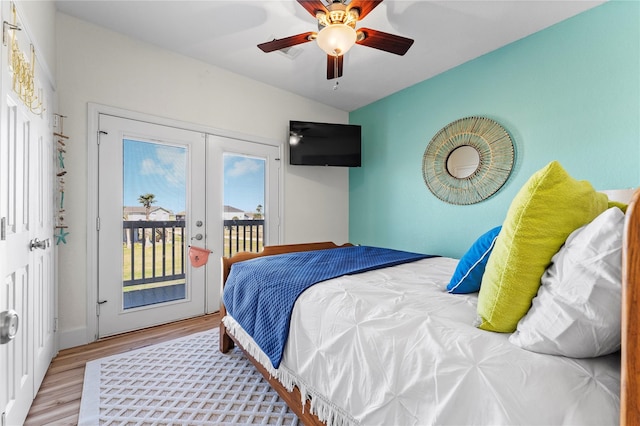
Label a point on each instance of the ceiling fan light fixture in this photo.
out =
(337, 33)
(336, 39)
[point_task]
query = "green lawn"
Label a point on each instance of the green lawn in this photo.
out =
(168, 259)
(149, 265)
(255, 231)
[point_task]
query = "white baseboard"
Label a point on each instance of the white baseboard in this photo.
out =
(72, 338)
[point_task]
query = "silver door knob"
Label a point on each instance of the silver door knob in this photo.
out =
(8, 326)
(197, 237)
(36, 243)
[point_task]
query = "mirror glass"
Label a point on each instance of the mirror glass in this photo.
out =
(463, 161)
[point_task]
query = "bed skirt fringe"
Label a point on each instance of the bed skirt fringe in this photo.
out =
(325, 410)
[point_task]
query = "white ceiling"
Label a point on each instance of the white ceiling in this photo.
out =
(225, 33)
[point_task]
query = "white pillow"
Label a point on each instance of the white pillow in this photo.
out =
(577, 311)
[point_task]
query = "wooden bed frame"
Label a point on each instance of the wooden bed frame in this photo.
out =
(227, 341)
(630, 352)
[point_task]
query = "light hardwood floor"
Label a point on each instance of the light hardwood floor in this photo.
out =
(58, 400)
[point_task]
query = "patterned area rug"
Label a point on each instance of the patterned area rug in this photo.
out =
(186, 381)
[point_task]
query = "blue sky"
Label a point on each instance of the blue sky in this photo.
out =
(160, 170)
(243, 182)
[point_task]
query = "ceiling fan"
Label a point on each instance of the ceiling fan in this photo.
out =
(337, 32)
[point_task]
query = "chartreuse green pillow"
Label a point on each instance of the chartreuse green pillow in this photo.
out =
(549, 207)
(618, 204)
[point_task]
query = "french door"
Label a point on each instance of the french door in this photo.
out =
(151, 207)
(162, 193)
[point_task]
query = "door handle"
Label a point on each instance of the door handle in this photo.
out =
(36, 243)
(8, 326)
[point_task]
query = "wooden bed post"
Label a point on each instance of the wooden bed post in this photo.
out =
(225, 341)
(630, 365)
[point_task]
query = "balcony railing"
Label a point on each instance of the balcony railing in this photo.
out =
(243, 235)
(154, 251)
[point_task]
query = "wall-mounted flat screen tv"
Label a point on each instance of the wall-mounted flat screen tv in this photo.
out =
(324, 144)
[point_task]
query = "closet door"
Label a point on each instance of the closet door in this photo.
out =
(27, 276)
(42, 172)
(16, 294)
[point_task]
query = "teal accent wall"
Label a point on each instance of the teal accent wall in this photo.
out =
(569, 93)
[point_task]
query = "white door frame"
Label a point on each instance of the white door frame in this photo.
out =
(93, 112)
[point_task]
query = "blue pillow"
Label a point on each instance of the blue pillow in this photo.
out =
(468, 274)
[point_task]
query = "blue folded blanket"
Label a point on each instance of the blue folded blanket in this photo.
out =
(260, 293)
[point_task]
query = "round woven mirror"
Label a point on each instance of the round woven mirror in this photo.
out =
(468, 160)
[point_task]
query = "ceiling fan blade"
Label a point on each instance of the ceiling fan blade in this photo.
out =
(313, 6)
(365, 6)
(384, 41)
(283, 43)
(334, 66)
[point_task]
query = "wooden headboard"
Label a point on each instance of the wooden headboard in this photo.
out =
(271, 250)
(630, 365)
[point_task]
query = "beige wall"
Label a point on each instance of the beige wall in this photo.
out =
(98, 66)
(39, 21)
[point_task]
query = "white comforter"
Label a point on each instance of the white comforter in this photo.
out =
(392, 347)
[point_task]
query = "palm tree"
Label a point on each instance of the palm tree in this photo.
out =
(146, 200)
(258, 214)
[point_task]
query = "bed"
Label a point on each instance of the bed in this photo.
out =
(393, 346)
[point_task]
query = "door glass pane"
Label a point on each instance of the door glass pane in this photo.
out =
(244, 206)
(154, 204)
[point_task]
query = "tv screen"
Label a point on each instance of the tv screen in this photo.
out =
(324, 144)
